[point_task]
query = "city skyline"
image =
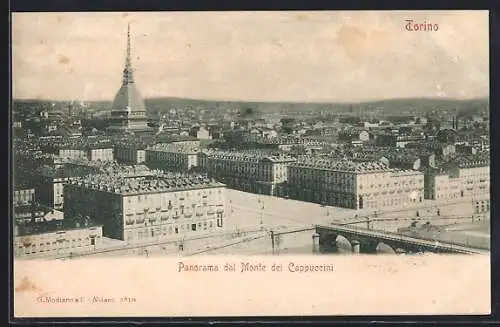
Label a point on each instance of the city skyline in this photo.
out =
(248, 56)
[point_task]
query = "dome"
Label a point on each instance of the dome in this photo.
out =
(128, 97)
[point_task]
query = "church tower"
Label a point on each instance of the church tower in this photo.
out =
(128, 112)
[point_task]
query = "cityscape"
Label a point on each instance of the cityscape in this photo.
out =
(136, 176)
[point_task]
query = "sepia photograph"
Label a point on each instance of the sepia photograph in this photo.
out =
(238, 154)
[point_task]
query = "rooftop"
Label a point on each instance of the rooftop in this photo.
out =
(166, 138)
(160, 182)
(51, 226)
(175, 147)
(341, 165)
(255, 155)
(479, 160)
(347, 165)
(82, 167)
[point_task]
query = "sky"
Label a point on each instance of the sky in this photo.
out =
(254, 56)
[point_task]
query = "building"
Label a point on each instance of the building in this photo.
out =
(251, 171)
(32, 212)
(400, 160)
(75, 148)
(355, 185)
(50, 186)
(460, 178)
(23, 196)
(474, 175)
(128, 112)
(439, 185)
(352, 134)
(200, 132)
(101, 154)
(396, 140)
(172, 156)
(466, 149)
(177, 139)
(130, 153)
(446, 135)
(482, 206)
(55, 237)
(145, 209)
(438, 149)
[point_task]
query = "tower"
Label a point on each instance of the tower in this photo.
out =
(128, 112)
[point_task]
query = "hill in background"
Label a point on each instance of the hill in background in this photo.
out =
(392, 107)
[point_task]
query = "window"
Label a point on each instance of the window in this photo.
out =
(193, 227)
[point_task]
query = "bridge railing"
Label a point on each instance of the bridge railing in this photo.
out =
(402, 238)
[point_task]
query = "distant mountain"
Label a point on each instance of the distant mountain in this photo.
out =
(391, 107)
(384, 107)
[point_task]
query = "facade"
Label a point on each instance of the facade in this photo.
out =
(128, 112)
(355, 185)
(23, 196)
(101, 154)
(50, 187)
(72, 153)
(460, 179)
(474, 176)
(130, 154)
(29, 213)
(146, 209)
(439, 186)
(172, 156)
(201, 133)
(81, 149)
(255, 172)
(482, 206)
(55, 237)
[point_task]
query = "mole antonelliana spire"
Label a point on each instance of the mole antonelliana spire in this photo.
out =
(128, 112)
(128, 74)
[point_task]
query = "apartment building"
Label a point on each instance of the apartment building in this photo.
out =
(355, 185)
(149, 208)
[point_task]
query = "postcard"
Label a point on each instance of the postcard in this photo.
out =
(218, 164)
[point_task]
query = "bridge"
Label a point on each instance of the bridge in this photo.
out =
(363, 240)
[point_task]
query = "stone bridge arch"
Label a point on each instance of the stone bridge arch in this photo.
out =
(327, 241)
(343, 244)
(384, 248)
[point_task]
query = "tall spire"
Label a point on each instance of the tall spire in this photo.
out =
(128, 77)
